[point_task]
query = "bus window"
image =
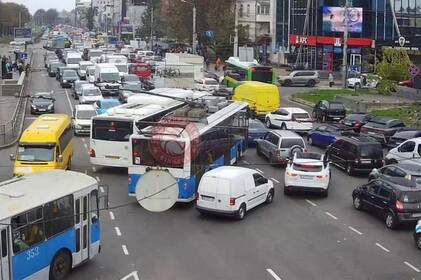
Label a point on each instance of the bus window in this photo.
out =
(58, 215)
(112, 130)
(27, 229)
(262, 74)
(94, 207)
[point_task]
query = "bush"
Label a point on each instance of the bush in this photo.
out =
(386, 87)
(393, 66)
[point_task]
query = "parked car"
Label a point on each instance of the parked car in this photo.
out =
(356, 154)
(232, 191)
(392, 200)
(101, 106)
(300, 78)
(42, 102)
(407, 152)
(362, 81)
(417, 235)
(406, 83)
(409, 171)
(207, 84)
(308, 172)
(401, 136)
(82, 118)
(382, 128)
(77, 88)
(291, 118)
(356, 120)
(327, 134)
(68, 77)
(329, 110)
(257, 130)
(279, 145)
(90, 94)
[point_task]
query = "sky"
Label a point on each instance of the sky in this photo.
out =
(34, 5)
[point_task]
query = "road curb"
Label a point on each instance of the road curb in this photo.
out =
(300, 101)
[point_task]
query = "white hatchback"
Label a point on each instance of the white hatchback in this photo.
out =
(291, 118)
(308, 172)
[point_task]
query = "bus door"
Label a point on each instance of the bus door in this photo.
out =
(81, 201)
(4, 253)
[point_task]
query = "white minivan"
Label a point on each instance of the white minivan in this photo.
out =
(231, 190)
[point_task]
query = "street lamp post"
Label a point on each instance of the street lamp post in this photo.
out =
(345, 48)
(194, 37)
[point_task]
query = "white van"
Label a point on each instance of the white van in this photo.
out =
(73, 59)
(83, 114)
(231, 190)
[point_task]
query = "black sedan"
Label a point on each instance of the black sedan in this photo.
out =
(329, 110)
(42, 102)
(357, 120)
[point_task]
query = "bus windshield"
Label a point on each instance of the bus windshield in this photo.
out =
(44, 153)
(156, 152)
(262, 74)
(110, 130)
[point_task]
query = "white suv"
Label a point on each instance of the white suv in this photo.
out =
(291, 118)
(307, 172)
(82, 118)
(407, 152)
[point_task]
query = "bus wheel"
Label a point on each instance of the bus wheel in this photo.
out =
(60, 266)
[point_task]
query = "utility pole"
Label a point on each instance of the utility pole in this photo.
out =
(20, 19)
(151, 36)
(345, 48)
(194, 29)
(236, 29)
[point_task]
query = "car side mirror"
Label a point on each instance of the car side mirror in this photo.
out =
(265, 180)
(12, 157)
(60, 158)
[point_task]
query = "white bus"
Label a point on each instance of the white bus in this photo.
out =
(49, 224)
(110, 132)
(189, 142)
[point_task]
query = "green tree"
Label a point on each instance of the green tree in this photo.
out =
(159, 27)
(39, 17)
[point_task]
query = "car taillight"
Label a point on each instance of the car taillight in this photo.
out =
(291, 174)
(129, 179)
(358, 124)
(399, 205)
(232, 201)
(92, 152)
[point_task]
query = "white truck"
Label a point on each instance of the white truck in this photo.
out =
(107, 77)
(73, 59)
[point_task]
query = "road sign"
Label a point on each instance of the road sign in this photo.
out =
(413, 71)
(23, 34)
(24, 56)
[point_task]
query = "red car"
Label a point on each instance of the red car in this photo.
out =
(142, 70)
(407, 83)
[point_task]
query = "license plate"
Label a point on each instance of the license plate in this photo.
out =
(41, 110)
(336, 118)
(306, 177)
(207, 198)
(416, 215)
(112, 157)
(366, 161)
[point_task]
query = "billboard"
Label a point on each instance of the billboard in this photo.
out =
(334, 19)
(23, 34)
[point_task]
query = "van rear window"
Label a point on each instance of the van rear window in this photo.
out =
(112, 130)
(371, 151)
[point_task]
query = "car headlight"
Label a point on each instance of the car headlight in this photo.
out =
(78, 126)
(33, 106)
(64, 81)
(50, 106)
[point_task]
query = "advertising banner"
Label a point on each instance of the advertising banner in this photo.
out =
(23, 34)
(334, 19)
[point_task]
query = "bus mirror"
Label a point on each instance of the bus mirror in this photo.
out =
(60, 158)
(12, 157)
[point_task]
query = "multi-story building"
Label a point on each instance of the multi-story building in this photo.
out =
(108, 14)
(133, 10)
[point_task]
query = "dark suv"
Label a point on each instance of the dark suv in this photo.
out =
(356, 154)
(329, 110)
(392, 200)
(382, 128)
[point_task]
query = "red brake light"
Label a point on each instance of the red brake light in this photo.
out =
(253, 69)
(399, 205)
(130, 180)
(136, 154)
(92, 152)
(232, 201)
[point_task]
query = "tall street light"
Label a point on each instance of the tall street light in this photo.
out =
(194, 24)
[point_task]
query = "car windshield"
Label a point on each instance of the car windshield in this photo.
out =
(371, 151)
(307, 167)
(410, 197)
(92, 92)
(131, 78)
(79, 85)
(42, 153)
(85, 114)
(73, 60)
(110, 77)
(288, 143)
(69, 74)
(313, 156)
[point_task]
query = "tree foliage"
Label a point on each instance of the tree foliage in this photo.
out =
(10, 13)
(159, 26)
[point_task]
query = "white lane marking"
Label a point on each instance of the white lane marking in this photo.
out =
(259, 170)
(411, 266)
(101, 189)
(98, 179)
(84, 145)
(117, 231)
(68, 99)
(93, 169)
(276, 181)
(311, 202)
(330, 215)
(382, 247)
(245, 161)
(125, 251)
(134, 275)
(355, 230)
(273, 274)
(112, 216)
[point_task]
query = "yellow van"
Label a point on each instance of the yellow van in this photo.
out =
(46, 144)
(262, 98)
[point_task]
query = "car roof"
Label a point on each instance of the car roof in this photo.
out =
(401, 184)
(228, 172)
(413, 169)
(366, 140)
(110, 100)
(84, 107)
(293, 109)
(286, 133)
(88, 85)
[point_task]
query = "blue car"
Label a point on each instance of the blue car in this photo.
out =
(256, 130)
(101, 106)
(327, 134)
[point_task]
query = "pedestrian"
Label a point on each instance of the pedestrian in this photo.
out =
(207, 63)
(218, 63)
(331, 79)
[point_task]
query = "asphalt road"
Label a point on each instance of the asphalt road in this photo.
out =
(296, 237)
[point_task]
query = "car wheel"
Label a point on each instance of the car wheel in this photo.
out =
(349, 169)
(287, 83)
(418, 241)
(286, 191)
(310, 141)
(357, 203)
(390, 220)
(241, 213)
(325, 193)
(268, 123)
(269, 197)
(283, 126)
(311, 83)
(60, 266)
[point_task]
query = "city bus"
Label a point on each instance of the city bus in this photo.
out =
(49, 224)
(238, 71)
(187, 143)
(110, 132)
